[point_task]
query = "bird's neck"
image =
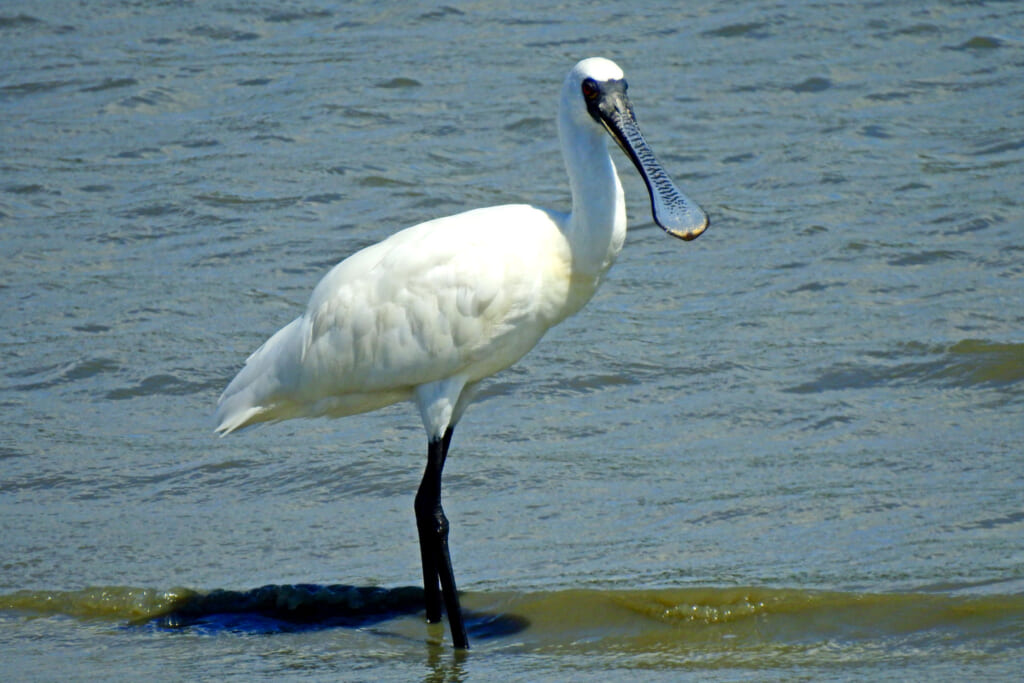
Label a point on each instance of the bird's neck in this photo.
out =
(596, 227)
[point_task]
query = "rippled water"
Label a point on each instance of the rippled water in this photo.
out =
(791, 448)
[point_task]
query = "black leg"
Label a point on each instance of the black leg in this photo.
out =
(438, 579)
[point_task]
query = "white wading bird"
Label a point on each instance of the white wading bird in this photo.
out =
(434, 309)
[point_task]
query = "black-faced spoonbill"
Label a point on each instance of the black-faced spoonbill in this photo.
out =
(434, 309)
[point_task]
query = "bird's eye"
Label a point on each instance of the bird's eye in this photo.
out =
(590, 90)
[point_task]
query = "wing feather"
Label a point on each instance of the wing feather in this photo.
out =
(467, 294)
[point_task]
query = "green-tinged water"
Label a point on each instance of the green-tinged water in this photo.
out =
(738, 630)
(790, 449)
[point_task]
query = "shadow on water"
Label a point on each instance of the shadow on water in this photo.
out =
(312, 607)
(289, 608)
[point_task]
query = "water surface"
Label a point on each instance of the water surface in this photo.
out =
(790, 448)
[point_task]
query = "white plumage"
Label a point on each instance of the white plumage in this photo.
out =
(432, 310)
(410, 311)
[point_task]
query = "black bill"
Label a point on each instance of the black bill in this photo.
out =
(676, 213)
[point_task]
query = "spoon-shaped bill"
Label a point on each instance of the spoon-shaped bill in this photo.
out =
(676, 213)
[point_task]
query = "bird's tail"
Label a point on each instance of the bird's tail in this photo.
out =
(259, 391)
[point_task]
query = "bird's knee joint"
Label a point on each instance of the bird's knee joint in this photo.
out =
(441, 525)
(432, 521)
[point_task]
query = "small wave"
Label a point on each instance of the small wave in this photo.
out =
(399, 82)
(117, 603)
(223, 33)
(110, 84)
(986, 362)
(967, 363)
(584, 619)
(756, 29)
(814, 84)
(924, 258)
(160, 385)
(18, 21)
(979, 43)
(49, 376)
